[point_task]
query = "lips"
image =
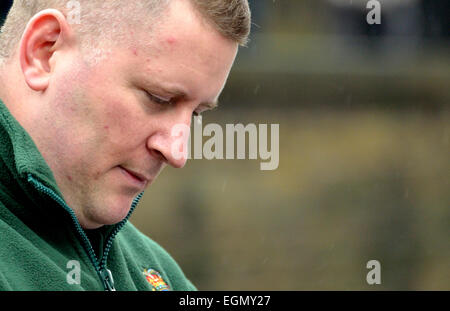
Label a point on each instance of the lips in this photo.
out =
(137, 177)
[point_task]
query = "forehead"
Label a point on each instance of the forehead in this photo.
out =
(182, 48)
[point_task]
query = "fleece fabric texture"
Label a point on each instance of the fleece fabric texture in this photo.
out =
(41, 247)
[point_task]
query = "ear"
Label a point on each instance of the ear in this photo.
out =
(47, 33)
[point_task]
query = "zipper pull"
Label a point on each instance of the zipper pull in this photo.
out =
(107, 279)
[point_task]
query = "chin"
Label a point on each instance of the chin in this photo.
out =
(111, 211)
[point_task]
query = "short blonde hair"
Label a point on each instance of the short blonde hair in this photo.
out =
(103, 18)
(232, 18)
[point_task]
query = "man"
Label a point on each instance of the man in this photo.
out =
(90, 93)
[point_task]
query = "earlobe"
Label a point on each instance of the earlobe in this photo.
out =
(46, 33)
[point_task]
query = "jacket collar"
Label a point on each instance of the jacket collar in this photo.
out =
(20, 153)
(20, 159)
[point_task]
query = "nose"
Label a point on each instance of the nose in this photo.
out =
(170, 141)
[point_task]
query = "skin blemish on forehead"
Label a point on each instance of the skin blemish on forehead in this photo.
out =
(134, 51)
(171, 40)
(69, 177)
(106, 127)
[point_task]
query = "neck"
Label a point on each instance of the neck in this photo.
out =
(11, 80)
(9, 83)
(2, 83)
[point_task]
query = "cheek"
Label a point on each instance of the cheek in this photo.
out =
(122, 123)
(107, 118)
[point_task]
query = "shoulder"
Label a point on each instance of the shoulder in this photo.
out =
(141, 247)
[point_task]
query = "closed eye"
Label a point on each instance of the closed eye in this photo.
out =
(161, 101)
(158, 100)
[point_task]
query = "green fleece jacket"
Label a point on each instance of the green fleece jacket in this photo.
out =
(42, 245)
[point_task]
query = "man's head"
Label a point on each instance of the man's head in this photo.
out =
(100, 99)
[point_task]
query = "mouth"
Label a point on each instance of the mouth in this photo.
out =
(135, 177)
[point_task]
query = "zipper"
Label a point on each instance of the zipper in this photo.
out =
(104, 274)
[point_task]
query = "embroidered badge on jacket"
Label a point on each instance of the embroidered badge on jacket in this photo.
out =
(155, 279)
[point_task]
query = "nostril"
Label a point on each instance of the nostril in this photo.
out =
(159, 155)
